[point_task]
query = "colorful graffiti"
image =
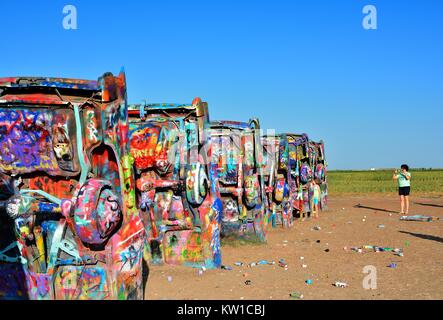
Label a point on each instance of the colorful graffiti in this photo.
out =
(69, 226)
(319, 169)
(237, 153)
(91, 187)
(177, 188)
(286, 181)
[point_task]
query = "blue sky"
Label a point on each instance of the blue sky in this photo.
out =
(374, 96)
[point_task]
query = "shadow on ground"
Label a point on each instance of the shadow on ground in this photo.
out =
(424, 236)
(359, 206)
(429, 204)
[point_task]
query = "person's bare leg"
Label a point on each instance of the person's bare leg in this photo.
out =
(311, 207)
(402, 203)
(316, 210)
(407, 204)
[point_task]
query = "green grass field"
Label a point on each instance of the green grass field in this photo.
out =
(380, 181)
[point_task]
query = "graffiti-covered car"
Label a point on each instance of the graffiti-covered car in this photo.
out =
(238, 154)
(319, 168)
(284, 182)
(177, 186)
(69, 226)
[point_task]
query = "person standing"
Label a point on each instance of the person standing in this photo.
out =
(403, 177)
(315, 191)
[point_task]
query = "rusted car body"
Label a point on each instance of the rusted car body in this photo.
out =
(285, 153)
(238, 155)
(69, 226)
(177, 186)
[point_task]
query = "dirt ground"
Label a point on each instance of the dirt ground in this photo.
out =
(418, 275)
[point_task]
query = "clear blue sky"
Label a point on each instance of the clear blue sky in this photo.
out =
(374, 96)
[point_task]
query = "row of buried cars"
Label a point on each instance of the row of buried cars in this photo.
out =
(93, 190)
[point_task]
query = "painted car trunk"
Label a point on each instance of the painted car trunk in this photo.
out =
(238, 155)
(177, 187)
(69, 224)
(285, 189)
(319, 169)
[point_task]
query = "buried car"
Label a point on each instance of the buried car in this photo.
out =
(69, 226)
(177, 186)
(238, 155)
(318, 163)
(286, 154)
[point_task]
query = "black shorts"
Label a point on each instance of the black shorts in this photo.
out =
(404, 191)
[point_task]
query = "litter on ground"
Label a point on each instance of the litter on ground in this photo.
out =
(296, 295)
(420, 218)
(340, 284)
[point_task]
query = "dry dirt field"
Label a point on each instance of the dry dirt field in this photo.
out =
(418, 275)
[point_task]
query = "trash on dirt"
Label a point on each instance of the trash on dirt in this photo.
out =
(400, 254)
(302, 258)
(326, 250)
(296, 295)
(381, 226)
(239, 264)
(318, 241)
(252, 264)
(376, 249)
(340, 284)
(309, 281)
(407, 243)
(316, 228)
(282, 263)
(200, 272)
(419, 217)
(304, 266)
(261, 262)
(248, 282)
(229, 268)
(392, 265)
(169, 278)
(363, 220)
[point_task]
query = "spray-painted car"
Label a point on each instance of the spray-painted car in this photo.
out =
(238, 155)
(286, 154)
(319, 168)
(177, 187)
(69, 226)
